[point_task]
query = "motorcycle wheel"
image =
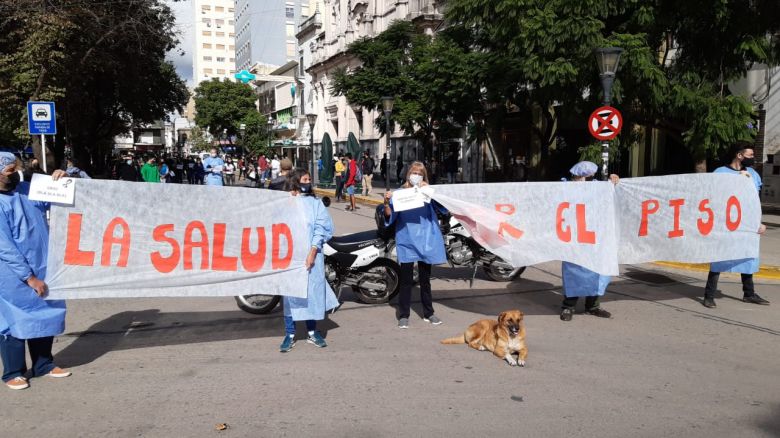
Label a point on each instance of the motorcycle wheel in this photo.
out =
(495, 273)
(257, 304)
(391, 277)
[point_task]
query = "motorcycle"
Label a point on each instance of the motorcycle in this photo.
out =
(463, 250)
(364, 261)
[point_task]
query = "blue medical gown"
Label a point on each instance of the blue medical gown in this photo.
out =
(417, 235)
(320, 297)
(24, 239)
(743, 266)
(582, 282)
(213, 179)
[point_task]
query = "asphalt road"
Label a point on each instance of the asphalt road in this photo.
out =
(662, 366)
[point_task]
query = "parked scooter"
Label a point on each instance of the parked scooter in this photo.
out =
(463, 250)
(362, 261)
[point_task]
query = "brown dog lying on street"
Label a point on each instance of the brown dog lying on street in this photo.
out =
(503, 337)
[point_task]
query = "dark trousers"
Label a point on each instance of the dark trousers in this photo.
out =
(407, 281)
(339, 188)
(712, 285)
(12, 353)
(289, 325)
(590, 302)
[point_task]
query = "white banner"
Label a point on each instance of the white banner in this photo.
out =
(123, 239)
(688, 218)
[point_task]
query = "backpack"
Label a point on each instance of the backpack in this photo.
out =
(358, 174)
(384, 232)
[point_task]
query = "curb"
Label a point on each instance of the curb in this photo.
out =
(360, 199)
(764, 271)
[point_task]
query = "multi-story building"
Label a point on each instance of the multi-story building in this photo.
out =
(265, 30)
(323, 40)
(214, 55)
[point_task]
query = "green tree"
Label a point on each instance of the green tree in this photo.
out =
(103, 63)
(254, 138)
(221, 106)
(199, 140)
(679, 58)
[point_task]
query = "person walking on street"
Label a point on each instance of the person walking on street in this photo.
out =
(383, 166)
(399, 166)
(213, 166)
(149, 172)
(126, 170)
(367, 168)
(452, 167)
(579, 281)
(351, 182)
(26, 318)
(275, 167)
(418, 239)
(230, 172)
(285, 168)
(339, 177)
(263, 170)
(742, 158)
(319, 297)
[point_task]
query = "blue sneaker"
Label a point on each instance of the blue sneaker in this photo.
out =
(317, 339)
(287, 343)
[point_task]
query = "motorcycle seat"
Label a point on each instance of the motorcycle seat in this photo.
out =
(352, 242)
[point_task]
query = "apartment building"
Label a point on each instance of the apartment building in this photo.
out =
(214, 54)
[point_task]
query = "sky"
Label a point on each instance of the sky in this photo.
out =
(185, 24)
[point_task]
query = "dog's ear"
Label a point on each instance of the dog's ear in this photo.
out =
(501, 317)
(520, 315)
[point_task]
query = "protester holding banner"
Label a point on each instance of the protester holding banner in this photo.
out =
(741, 158)
(320, 297)
(213, 166)
(25, 317)
(418, 239)
(579, 281)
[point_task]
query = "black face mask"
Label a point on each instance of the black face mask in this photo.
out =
(10, 181)
(306, 189)
(748, 162)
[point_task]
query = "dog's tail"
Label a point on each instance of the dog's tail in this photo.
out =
(455, 340)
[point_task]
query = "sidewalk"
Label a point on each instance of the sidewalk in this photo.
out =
(770, 241)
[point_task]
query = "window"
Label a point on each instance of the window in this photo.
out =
(220, 59)
(289, 12)
(290, 49)
(207, 58)
(220, 34)
(220, 47)
(231, 23)
(219, 22)
(300, 66)
(206, 45)
(230, 10)
(304, 11)
(231, 35)
(219, 9)
(231, 48)
(220, 71)
(232, 72)
(233, 60)
(208, 71)
(290, 30)
(206, 33)
(205, 8)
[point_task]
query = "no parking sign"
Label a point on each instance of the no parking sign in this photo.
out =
(605, 123)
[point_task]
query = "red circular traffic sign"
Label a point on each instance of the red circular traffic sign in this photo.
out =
(605, 123)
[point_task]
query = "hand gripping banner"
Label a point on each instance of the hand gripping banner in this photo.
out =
(123, 239)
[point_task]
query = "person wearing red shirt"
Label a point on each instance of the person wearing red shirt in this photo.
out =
(350, 185)
(262, 166)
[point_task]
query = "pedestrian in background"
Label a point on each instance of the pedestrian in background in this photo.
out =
(418, 240)
(351, 181)
(383, 166)
(579, 281)
(230, 172)
(340, 170)
(149, 172)
(741, 159)
(275, 167)
(399, 166)
(285, 168)
(126, 171)
(319, 296)
(367, 167)
(26, 318)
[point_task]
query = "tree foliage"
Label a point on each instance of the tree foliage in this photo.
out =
(103, 63)
(221, 106)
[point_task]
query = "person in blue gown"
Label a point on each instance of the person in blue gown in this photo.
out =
(418, 239)
(320, 297)
(213, 166)
(579, 281)
(26, 318)
(741, 162)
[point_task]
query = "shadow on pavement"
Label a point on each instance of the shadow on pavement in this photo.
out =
(151, 328)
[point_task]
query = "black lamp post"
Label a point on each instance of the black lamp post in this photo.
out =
(387, 107)
(312, 119)
(608, 59)
(270, 124)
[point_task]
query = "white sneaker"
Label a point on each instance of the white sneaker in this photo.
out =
(17, 383)
(58, 373)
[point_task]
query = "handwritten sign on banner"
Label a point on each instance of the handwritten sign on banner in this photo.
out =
(123, 239)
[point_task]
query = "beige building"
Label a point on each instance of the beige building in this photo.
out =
(214, 55)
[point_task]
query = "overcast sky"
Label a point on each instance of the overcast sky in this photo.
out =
(185, 23)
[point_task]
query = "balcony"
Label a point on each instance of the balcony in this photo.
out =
(426, 10)
(311, 24)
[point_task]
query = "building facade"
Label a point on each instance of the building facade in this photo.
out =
(265, 30)
(214, 54)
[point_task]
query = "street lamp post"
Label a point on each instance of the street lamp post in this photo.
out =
(242, 130)
(270, 125)
(607, 59)
(387, 107)
(312, 119)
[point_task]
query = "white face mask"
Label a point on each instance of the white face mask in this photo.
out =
(415, 179)
(129, 162)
